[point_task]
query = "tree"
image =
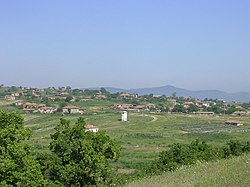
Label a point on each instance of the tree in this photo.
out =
(231, 110)
(216, 109)
(17, 166)
(173, 95)
(79, 158)
(104, 91)
(192, 108)
(68, 98)
(61, 105)
(68, 88)
(179, 108)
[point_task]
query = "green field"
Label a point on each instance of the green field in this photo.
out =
(147, 134)
(144, 135)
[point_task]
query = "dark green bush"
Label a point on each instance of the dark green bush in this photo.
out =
(187, 154)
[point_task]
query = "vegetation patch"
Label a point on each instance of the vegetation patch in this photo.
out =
(141, 135)
(229, 172)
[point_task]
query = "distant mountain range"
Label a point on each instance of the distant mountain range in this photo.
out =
(168, 90)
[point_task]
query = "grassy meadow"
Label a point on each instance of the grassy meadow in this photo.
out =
(229, 172)
(145, 134)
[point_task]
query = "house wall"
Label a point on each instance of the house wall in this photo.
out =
(10, 98)
(92, 130)
(74, 111)
(71, 110)
(65, 110)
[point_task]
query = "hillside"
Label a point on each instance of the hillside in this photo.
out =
(202, 94)
(231, 172)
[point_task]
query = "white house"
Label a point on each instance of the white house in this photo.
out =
(47, 110)
(91, 128)
(15, 94)
(10, 98)
(71, 110)
(19, 102)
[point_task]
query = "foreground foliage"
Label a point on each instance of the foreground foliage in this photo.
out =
(234, 171)
(17, 166)
(78, 158)
(184, 155)
(188, 154)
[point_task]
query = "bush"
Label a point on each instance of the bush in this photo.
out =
(77, 157)
(184, 154)
(235, 148)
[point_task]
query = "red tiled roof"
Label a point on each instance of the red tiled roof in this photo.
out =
(124, 95)
(233, 121)
(90, 127)
(71, 107)
(27, 109)
(30, 104)
(150, 104)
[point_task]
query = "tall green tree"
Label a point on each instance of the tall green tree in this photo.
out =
(192, 108)
(17, 166)
(79, 158)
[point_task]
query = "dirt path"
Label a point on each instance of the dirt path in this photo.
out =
(154, 118)
(146, 115)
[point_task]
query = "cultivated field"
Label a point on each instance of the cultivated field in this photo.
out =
(144, 135)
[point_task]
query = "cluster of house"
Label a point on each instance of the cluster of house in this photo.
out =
(197, 103)
(187, 104)
(133, 107)
(25, 91)
(35, 107)
(43, 109)
(12, 97)
(127, 95)
(63, 92)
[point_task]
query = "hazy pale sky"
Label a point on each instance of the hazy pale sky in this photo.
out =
(193, 44)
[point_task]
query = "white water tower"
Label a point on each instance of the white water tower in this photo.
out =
(124, 116)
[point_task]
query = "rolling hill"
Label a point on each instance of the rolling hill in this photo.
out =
(202, 94)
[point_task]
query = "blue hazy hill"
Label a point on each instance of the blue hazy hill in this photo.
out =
(202, 94)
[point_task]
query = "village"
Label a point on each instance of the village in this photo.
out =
(143, 125)
(67, 101)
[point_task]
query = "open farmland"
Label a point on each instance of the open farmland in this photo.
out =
(144, 135)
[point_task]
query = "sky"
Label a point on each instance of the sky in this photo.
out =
(192, 44)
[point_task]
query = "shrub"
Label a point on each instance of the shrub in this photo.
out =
(184, 154)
